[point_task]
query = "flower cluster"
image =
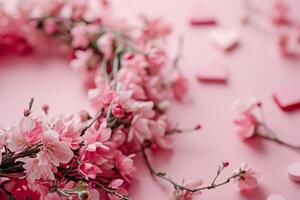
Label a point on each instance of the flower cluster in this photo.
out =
(130, 82)
(287, 28)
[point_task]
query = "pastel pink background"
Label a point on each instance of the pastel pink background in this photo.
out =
(256, 69)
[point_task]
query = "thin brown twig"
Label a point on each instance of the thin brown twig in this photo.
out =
(177, 186)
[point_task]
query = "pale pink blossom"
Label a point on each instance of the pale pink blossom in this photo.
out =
(116, 184)
(249, 117)
(154, 28)
(248, 178)
(50, 26)
(125, 165)
(105, 44)
(89, 170)
(156, 58)
(132, 81)
(101, 97)
(289, 43)
(80, 36)
(84, 65)
(280, 13)
(180, 87)
(134, 62)
(36, 170)
(158, 129)
(155, 89)
(95, 139)
(139, 129)
(186, 195)
(54, 150)
(69, 132)
(26, 133)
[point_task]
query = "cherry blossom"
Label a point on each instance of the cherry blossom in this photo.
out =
(248, 178)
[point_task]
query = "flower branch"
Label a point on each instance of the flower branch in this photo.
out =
(179, 188)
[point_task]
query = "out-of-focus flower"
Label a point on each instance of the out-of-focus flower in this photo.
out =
(80, 36)
(105, 44)
(280, 13)
(289, 43)
(125, 165)
(247, 178)
(180, 87)
(154, 28)
(248, 117)
(181, 194)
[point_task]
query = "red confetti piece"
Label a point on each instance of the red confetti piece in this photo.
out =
(287, 100)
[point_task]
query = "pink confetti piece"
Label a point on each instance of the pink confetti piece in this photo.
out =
(275, 197)
(224, 39)
(294, 171)
(287, 99)
(213, 74)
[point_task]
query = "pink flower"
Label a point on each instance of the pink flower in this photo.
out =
(72, 138)
(89, 170)
(131, 80)
(155, 28)
(289, 44)
(69, 128)
(180, 87)
(105, 44)
(158, 130)
(139, 129)
(27, 133)
(248, 117)
(280, 13)
(50, 26)
(248, 177)
(125, 165)
(35, 170)
(116, 184)
(118, 111)
(101, 97)
(81, 61)
(156, 58)
(95, 140)
(80, 36)
(54, 150)
(185, 195)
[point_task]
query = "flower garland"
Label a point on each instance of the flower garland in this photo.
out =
(130, 81)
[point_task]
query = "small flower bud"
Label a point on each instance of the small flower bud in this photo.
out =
(45, 108)
(198, 126)
(118, 111)
(225, 164)
(26, 112)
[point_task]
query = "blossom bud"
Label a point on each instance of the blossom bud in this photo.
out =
(225, 164)
(118, 111)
